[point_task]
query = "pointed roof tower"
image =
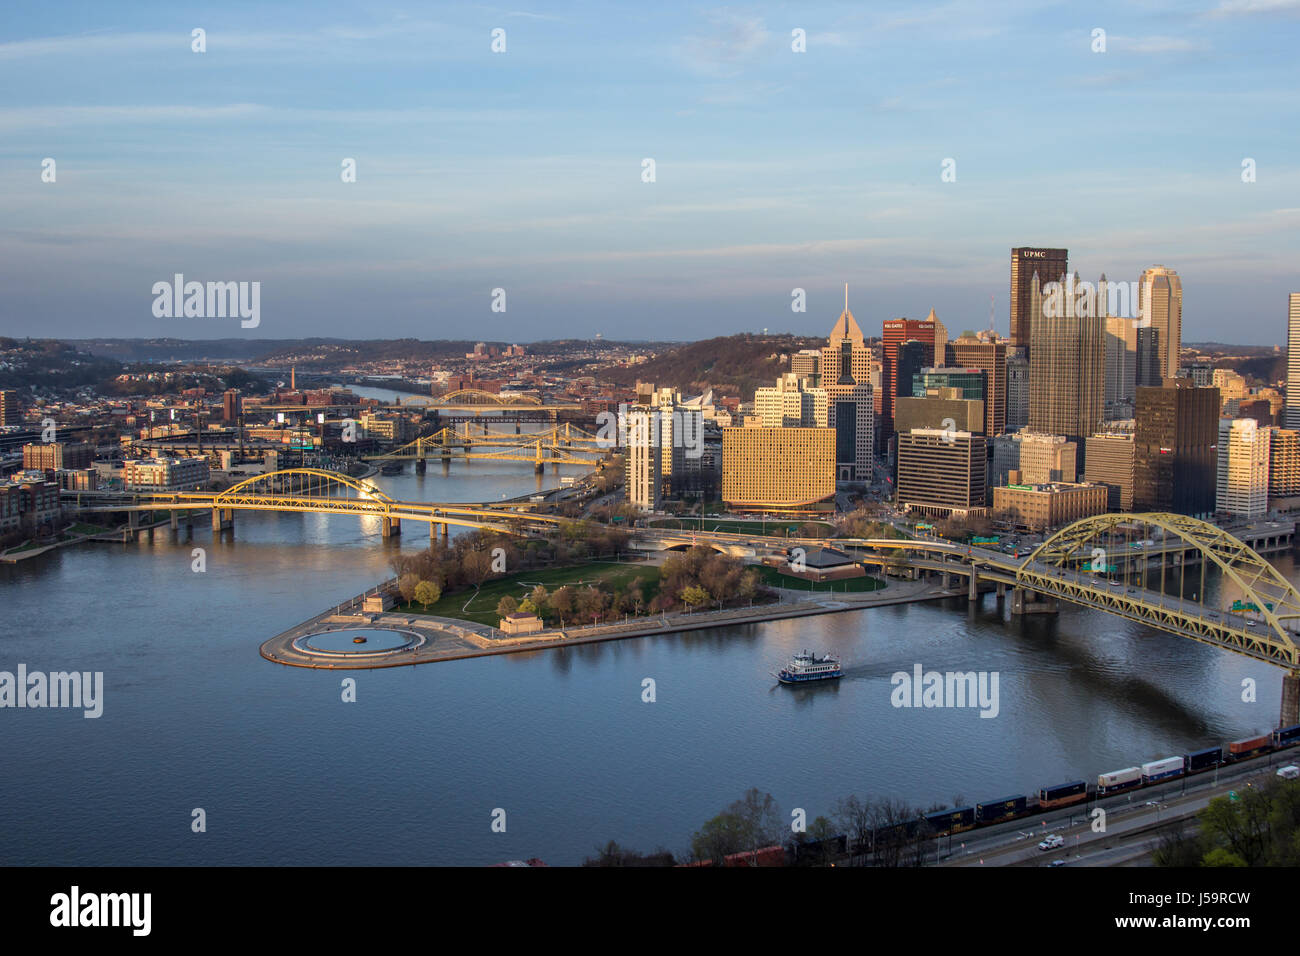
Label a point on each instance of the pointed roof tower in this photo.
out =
(846, 327)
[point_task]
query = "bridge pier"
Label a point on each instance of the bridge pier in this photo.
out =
(1290, 699)
(1031, 602)
(390, 527)
(540, 468)
(518, 429)
(973, 591)
(1002, 590)
(421, 465)
(223, 519)
(176, 522)
(446, 534)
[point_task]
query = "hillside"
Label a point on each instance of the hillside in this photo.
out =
(731, 364)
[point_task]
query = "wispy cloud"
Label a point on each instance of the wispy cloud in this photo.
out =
(729, 44)
(1235, 8)
(1155, 44)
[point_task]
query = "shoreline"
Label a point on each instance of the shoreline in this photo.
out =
(452, 639)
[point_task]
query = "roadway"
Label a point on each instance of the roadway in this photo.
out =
(1132, 820)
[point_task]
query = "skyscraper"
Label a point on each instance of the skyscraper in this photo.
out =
(1050, 265)
(1175, 448)
(897, 331)
(1067, 374)
(1160, 304)
(1291, 412)
(1017, 390)
(1242, 468)
(991, 358)
(845, 377)
(1121, 367)
(791, 404)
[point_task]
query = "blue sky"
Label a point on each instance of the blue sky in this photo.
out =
(522, 170)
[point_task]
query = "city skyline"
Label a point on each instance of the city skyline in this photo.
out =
(775, 170)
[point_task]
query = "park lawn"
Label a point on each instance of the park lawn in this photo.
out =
(83, 528)
(774, 578)
(738, 527)
(611, 575)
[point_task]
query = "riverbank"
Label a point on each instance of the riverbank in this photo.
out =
(449, 639)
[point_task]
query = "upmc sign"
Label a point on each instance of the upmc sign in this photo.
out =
(1033, 253)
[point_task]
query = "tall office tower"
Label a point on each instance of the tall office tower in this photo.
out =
(941, 472)
(791, 404)
(851, 413)
(1050, 265)
(1067, 375)
(806, 365)
(1176, 440)
(1160, 304)
(231, 405)
(835, 358)
(1242, 485)
(11, 411)
(939, 408)
(912, 357)
(1121, 368)
(1035, 459)
(1283, 463)
(991, 358)
(1110, 457)
(1291, 411)
(777, 469)
(1017, 390)
(896, 332)
(1148, 358)
(970, 383)
(644, 476)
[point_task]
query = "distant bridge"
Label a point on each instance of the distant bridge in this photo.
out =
(313, 490)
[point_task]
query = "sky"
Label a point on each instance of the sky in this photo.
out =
(524, 170)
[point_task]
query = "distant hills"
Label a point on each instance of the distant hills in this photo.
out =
(730, 364)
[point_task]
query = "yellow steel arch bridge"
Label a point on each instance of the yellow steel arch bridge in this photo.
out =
(1161, 584)
(314, 490)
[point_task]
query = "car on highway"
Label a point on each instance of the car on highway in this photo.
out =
(1052, 841)
(1057, 863)
(1289, 772)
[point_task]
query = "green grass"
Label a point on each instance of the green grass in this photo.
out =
(482, 606)
(28, 546)
(82, 528)
(774, 578)
(771, 528)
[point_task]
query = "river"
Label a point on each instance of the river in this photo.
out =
(413, 770)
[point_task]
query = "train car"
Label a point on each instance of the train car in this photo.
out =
(1250, 747)
(1007, 808)
(1201, 760)
(945, 822)
(1117, 781)
(1286, 737)
(1164, 769)
(1063, 794)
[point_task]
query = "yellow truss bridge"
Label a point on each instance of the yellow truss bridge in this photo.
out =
(317, 491)
(559, 444)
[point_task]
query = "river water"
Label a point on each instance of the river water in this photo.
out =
(286, 772)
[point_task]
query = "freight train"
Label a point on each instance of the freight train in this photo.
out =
(948, 822)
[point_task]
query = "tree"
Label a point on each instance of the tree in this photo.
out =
(526, 606)
(562, 602)
(635, 595)
(507, 606)
(476, 566)
(426, 592)
(406, 585)
(540, 598)
(591, 603)
(694, 596)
